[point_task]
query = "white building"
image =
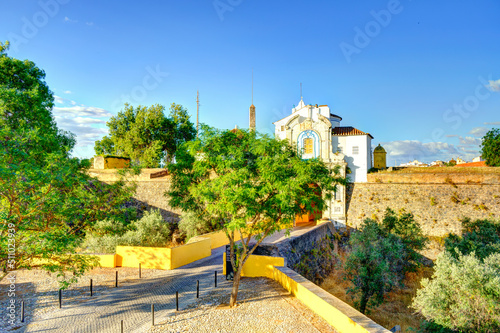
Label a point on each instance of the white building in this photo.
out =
(317, 133)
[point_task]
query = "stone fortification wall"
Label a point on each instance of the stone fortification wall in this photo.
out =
(150, 190)
(311, 254)
(438, 201)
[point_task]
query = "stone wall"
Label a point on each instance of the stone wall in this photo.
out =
(311, 254)
(150, 190)
(438, 207)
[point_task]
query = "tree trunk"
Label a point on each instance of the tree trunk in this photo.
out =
(363, 302)
(236, 284)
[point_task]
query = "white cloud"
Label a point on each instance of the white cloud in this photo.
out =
(86, 122)
(478, 131)
(67, 19)
(89, 23)
(468, 141)
(494, 85)
(68, 92)
(493, 123)
(58, 100)
(409, 150)
(81, 111)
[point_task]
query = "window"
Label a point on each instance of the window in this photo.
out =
(355, 150)
(308, 145)
(282, 128)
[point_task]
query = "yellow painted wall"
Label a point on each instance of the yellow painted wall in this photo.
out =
(187, 253)
(217, 238)
(149, 257)
(107, 260)
(162, 257)
(336, 318)
(257, 266)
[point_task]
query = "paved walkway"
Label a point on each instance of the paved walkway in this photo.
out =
(132, 302)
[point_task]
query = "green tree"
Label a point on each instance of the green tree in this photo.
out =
(46, 198)
(404, 226)
(183, 131)
(140, 133)
(249, 185)
(146, 134)
(490, 147)
(369, 264)
(463, 294)
(480, 236)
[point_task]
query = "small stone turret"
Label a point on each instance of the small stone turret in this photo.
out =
(379, 157)
(252, 117)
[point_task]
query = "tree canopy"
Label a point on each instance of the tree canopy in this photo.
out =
(249, 185)
(146, 134)
(46, 198)
(490, 147)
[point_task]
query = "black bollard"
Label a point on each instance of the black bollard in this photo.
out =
(152, 315)
(197, 288)
(176, 301)
(122, 326)
(215, 279)
(116, 280)
(91, 288)
(60, 298)
(22, 312)
(139, 270)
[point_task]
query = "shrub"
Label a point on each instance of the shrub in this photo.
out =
(150, 230)
(192, 225)
(369, 264)
(479, 236)
(463, 293)
(409, 232)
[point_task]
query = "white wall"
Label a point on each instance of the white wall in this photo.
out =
(358, 163)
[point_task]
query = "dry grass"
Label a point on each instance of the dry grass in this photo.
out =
(471, 170)
(395, 310)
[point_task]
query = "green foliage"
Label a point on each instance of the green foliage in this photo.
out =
(248, 184)
(191, 224)
(150, 230)
(369, 265)
(146, 135)
(463, 294)
(46, 198)
(490, 147)
(409, 232)
(480, 236)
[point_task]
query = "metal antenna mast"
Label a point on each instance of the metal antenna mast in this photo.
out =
(197, 112)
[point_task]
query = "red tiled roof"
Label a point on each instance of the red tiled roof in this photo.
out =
(349, 130)
(472, 164)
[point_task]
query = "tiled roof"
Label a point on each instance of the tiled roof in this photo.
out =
(349, 130)
(472, 164)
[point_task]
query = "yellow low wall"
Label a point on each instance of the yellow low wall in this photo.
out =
(187, 253)
(217, 238)
(258, 266)
(338, 314)
(107, 260)
(148, 257)
(162, 257)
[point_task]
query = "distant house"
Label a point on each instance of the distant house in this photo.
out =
(460, 161)
(437, 163)
(414, 163)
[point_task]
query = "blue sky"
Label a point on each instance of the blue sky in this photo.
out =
(421, 76)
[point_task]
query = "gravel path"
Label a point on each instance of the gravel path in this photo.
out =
(264, 305)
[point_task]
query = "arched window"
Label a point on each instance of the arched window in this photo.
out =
(308, 144)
